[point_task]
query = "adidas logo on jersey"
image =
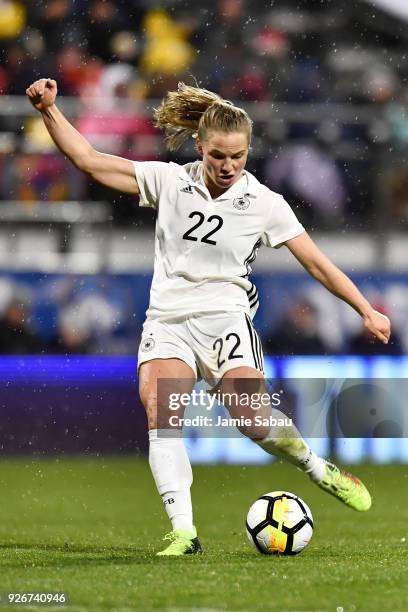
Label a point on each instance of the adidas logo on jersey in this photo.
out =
(187, 189)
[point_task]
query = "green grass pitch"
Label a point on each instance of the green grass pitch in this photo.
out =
(90, 527)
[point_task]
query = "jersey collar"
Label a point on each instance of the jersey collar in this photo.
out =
(247, 185)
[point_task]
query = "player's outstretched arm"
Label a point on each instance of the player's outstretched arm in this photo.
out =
(322, 269)
(110, 170)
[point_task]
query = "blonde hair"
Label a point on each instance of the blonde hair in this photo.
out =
(192, 111)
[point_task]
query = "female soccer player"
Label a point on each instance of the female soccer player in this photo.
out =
(212, 216)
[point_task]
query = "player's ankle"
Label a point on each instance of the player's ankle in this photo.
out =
(182, 522)
(317, 469)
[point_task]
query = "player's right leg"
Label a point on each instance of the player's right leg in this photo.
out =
(168, 458)
(288, 443)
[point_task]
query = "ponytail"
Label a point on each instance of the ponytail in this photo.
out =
(192, 111)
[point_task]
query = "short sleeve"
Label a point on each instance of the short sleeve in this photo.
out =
(282, 224)
(151, 178)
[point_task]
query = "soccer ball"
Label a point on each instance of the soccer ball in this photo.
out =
(279, 523)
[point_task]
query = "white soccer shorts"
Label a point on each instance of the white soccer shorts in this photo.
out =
(211, 344)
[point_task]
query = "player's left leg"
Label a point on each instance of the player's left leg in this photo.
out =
(287, 442)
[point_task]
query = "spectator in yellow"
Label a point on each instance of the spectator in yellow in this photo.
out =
(167, 50)
(12, 18)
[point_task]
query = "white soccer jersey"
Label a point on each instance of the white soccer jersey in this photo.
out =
(204, 247)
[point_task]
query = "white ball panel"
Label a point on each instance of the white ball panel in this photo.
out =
(302, 538)
(257, 513)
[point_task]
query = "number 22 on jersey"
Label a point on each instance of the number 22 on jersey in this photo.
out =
(214, 221)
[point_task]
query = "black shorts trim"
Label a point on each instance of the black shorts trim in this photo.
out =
(255, 345)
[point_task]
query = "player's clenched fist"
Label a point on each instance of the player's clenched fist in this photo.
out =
(42, 93)
(379, 325)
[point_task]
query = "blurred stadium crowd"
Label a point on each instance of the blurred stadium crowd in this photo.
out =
(345, 64)
(326, 84)
(104, 313)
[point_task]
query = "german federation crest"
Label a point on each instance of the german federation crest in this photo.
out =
(241, 203)
(148, 345)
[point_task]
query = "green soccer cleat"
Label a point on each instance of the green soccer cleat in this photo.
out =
(182, 543)
(346, 487)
